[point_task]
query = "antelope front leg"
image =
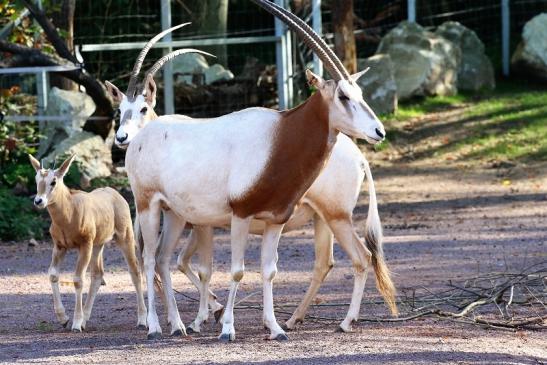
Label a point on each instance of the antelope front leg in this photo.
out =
(150, 222)
(57, 257)
(239, 238)
(323, 264)
(270, 241)
(172, 229)
(84, 256)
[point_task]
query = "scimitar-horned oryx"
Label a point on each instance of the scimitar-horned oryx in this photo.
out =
(330, 201)
(252, 164)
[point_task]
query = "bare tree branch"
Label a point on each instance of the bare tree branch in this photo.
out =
(50, 31)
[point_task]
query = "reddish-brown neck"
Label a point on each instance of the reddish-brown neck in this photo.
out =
(302, 145)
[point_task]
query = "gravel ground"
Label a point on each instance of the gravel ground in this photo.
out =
(441, 223)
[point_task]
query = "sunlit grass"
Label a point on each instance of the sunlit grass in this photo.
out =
(509, 123)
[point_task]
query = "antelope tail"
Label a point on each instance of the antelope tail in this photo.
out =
(373, 241)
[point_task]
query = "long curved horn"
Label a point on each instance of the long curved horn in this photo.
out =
(131, 88)
(310, 37)
(168, 57)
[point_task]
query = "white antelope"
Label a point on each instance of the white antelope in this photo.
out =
(253, 164)
(330, 201)
(85, 221)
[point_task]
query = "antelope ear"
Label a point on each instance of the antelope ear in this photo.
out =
(35, 163)
(114, 92)
(150, 91)
(357, 75)
(61, 171)
(314, 80)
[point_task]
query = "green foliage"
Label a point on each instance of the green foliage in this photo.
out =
(17, 140)
(18, 221)
(115, 181)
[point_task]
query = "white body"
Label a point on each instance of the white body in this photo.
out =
(330, 201)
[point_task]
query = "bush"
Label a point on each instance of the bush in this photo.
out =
(18, 220)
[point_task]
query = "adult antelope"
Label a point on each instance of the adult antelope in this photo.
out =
(330, 201)
(253, 164)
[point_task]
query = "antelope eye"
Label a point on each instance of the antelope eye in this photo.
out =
(143, 110)
(53, 183)
(343, 97)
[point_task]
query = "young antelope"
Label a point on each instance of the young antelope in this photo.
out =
(85, 221)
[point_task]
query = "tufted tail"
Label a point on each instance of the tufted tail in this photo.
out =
(373, 241)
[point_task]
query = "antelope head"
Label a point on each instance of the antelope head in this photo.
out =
(47, 180)
(136, 105)
(348, 111)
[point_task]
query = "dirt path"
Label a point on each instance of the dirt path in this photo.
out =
(441, 223)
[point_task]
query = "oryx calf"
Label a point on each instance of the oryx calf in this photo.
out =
(85, 221)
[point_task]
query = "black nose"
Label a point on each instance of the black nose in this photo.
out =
(380, 134)
(122, 138)
(37, 201)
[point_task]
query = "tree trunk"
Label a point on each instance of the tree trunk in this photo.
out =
(344, 39)
(64, 20)
(214, 20)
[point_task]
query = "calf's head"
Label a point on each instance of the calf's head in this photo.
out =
(48, 181)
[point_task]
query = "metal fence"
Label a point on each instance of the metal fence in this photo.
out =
(118, 34)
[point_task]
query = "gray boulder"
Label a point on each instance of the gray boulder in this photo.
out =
(94, 158)
(424, 63)
(475, 71)
(530, 57)
(193, 66)
(74, 105)
(378, 84)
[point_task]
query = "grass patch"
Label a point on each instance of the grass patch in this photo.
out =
(415, 108)
(509, 123)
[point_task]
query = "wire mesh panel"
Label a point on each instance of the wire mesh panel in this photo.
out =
(249, 77)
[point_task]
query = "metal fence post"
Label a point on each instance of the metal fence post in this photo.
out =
(168, 91)
(281, 61)
(411, 11)
(505, 36)
(317, 24)
(42, 84)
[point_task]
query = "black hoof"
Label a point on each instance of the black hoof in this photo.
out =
(154, 336)
(103, 283)
(218, 314)
(190, 330)
(285, 327)
(65, 324)
(75, 330)
(225, 337)
(282, 337)
(339, 330)
(177, 333)
(142, 327)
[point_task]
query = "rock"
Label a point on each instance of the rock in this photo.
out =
(32, 243)
(530, 57)
(93, 156)
(475, 71)
(217, 73)
(424, 63)
(193, 68)
(378, 84)
(75, 105)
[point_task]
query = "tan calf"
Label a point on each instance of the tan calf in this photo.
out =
(85, 221)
